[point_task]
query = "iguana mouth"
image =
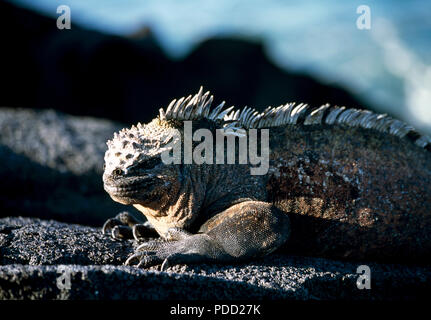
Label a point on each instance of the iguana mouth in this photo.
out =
(129, 187)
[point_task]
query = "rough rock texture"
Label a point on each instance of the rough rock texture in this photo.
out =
(36, 255)
(52, 165)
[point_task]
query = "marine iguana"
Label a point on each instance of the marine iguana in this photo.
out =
(342, 183)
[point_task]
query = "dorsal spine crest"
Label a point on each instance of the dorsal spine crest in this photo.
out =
(199, 107)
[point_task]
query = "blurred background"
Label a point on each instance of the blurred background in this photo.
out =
(123, 60)
(124, 56)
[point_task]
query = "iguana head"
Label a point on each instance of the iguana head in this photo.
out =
(134, 172)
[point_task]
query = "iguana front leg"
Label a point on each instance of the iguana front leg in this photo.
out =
(245, 230)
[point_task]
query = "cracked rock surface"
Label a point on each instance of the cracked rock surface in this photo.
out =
(46, 259)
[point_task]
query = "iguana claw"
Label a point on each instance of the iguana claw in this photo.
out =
(126, 226)
(190, 248)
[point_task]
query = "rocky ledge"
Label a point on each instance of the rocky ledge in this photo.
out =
(45, 259)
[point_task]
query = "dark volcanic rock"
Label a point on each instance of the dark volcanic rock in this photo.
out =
(40, 242)
(38, 257)
(52, 166)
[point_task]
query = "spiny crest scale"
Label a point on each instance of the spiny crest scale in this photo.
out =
(194, 108)
(130, 146)
(144, 140)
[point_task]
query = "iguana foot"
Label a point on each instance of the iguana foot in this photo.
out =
(181, 247)
(245, 230)
(126, 226)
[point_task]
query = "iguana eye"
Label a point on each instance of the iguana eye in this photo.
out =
(117, 172)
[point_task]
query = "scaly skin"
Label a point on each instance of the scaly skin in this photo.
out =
(331, 190)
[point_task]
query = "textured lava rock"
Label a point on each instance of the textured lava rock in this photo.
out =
(37, 256)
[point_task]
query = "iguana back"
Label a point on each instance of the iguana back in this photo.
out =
(352, 192)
